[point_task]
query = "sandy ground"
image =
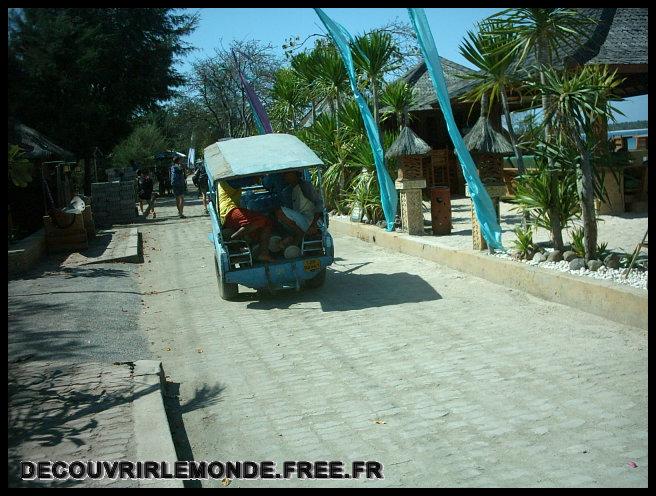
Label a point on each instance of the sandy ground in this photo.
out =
(621, 232)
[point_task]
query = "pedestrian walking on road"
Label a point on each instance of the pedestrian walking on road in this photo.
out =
(178, 180)
(200, 180)
(146, 193)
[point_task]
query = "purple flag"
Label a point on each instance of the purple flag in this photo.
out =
(260, 115)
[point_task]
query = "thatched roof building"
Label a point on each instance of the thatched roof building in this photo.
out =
(407, 143)
(484, 138)
(36, 145)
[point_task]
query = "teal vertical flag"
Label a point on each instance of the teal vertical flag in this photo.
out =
(388, 197)
(482, 202)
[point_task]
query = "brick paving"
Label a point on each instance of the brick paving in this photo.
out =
(472, 384)
(62, 411)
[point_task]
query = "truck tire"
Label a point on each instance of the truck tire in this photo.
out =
(227, 291)
(317, 281)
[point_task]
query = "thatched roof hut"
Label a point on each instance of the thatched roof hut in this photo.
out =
(36, 145)
(485, 139)
(407, 143)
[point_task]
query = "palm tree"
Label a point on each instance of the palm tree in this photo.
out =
(492, 54)
(332, 79)
(305, 66)
(289, 98)
(374, 55)
(542, 32)
(577, 99)
(397, 98)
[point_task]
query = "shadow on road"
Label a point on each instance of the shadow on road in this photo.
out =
(345, 291)
(70, 414)
(203, 397)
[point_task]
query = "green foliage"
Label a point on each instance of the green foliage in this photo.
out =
(578, 244)
(290, 99)
(524, 242)
(541, 31)
(364, 192)
(82, 74)
(19, 167)
(491, 51)
(397, 98)
(544, 192)
(374, 55)
(141, 146)
(332, 79)
(602, 251)
(578, 98)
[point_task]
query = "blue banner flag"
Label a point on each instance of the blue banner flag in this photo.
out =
(482, 202)
(388, 197)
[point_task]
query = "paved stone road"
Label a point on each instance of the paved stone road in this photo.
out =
(446, 379)
(66, 412)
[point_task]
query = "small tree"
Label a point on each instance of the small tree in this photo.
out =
(141, 146)
(290, 99)
(374, 55)
(542, 32)
(492, 50)
(577, 99)
(397, 98)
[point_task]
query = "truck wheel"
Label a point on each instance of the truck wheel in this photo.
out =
(317, 281)
(227, 291)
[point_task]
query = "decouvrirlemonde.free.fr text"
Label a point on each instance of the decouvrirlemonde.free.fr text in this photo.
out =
(194, 470)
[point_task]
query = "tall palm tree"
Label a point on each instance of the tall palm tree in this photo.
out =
(375, 54)
(397, 98)
(543, 32)
(305, 65)
(492, 54)
(289, 98)
(332, 79)
(577, 99)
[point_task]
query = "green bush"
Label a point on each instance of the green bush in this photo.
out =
(578, 245)
(524, 242)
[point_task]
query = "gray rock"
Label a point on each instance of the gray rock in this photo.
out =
(568, 256)
(539, 257)
(516, 255)
(576, 264)
(594, 265)
(612, 261)
(555, 256)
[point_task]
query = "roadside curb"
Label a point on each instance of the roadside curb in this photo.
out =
(153, 437)
(624, 305)
(122, 248)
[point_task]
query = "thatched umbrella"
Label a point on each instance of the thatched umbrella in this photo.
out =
(488, 147)
(410, 148)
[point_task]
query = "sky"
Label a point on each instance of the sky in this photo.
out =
(275, 25)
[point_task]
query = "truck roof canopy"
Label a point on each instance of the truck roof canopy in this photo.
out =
(262, 154)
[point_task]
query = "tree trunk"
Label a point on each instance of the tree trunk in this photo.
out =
(513, 138)
(585, 189)
(542, 61)
(374, 92)
(556, 228)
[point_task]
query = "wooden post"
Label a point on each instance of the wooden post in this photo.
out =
(412, 216)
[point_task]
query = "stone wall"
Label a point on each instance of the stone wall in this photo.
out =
(114, 202)
(26, 253)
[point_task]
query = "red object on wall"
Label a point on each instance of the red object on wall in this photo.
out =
(441, 210)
